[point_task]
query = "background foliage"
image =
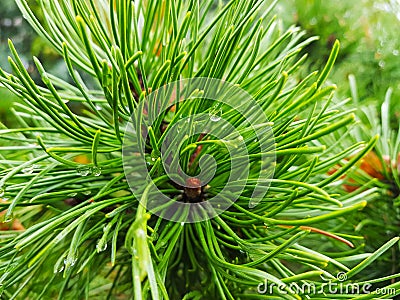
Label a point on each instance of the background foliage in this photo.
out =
(370, 45)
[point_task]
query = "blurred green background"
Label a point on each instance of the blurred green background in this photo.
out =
(13, 26)
(370, 44)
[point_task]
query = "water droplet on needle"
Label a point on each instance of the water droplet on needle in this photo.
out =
(83, 171)
(96, 171)
(28, 169)
(215, 115)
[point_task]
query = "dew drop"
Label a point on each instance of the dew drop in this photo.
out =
(8, 218)
(395, 52)
(382, 64)
(83, 171)
(215, 116)
(101, 246)
(98, 107)
(2, 191)
(253, 203)
(182, 223)
(28, 169)
(70, 261)
(72, 194)
(58, 268)
(96, 171)
(87, 193)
